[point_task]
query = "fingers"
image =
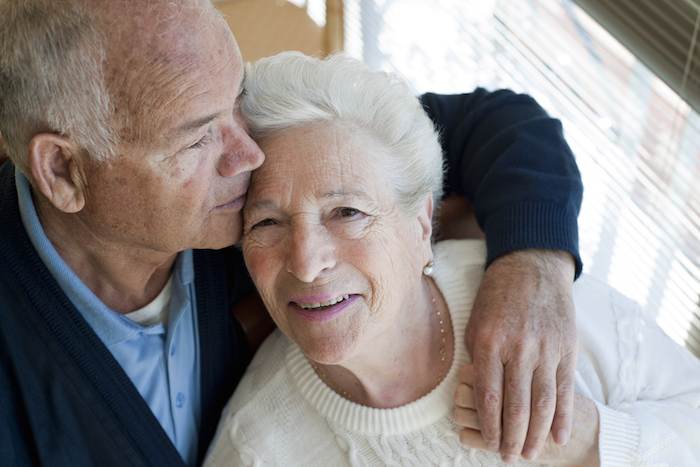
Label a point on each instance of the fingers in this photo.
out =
(472, 438)
(466, 418)
(516, 410)
(542, 411)
(563, 414)
(466, 374)
(464, 397)
(488, 390)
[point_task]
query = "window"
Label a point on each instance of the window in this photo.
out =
(637, 142)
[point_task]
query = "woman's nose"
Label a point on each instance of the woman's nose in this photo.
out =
(311, 253)
(240, 153)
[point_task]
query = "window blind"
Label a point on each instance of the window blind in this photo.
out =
(662, 33)
(636, 139)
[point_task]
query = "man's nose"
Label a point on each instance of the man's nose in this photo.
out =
(311, 252)
(240, 153)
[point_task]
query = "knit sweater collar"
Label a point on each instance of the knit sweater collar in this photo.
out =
(432, 406)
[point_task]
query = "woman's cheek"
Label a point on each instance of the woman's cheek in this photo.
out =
(261, 264)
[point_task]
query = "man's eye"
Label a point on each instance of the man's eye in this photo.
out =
(203, 141)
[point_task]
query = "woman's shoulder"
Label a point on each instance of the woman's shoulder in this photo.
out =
(460, 253)
(263, 374)
(267, 416)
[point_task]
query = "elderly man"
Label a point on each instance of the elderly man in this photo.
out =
(129, 167)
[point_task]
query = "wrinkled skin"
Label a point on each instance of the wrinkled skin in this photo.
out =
(522, 338)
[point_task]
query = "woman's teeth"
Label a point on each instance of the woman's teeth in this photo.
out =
(333, 301)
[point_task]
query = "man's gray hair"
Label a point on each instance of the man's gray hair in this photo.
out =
(291, 89)
(52, 77)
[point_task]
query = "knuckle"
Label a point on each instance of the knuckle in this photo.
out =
(491, 437)
(490, 400)
(517, 410)
(515, 383)
(544, 401)
(565, 390)
(562, 414)
(486, 338)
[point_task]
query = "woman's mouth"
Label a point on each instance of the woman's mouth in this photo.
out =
(323, 310)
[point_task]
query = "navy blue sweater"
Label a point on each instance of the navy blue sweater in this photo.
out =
(509, 158)
(64, 400)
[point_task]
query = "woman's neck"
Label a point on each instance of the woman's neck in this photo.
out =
(405, 362)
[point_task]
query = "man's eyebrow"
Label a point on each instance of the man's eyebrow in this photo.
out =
(192, 125)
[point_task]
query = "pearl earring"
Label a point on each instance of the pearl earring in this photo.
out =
(428, 269)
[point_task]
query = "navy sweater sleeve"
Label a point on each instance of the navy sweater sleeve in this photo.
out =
(510, 160)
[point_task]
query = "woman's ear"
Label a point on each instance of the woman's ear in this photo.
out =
(425, 217)
(55, 171)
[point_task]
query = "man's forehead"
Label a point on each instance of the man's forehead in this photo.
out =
(166, 65)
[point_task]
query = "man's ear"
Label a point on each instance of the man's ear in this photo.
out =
(52, 162)
(425, 217)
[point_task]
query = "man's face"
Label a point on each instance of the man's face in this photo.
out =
(182, 185)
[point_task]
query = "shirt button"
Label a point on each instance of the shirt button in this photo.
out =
(180, 400)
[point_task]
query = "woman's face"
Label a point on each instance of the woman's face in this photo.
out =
(335, 259)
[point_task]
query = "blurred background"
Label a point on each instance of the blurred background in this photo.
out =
(622, 75)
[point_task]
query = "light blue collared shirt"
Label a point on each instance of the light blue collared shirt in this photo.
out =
(161, 361)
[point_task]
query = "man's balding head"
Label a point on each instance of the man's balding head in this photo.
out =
(96, 71)
(150, 55)
(123, 113)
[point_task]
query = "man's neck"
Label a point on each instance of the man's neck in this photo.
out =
(123, 277)
(406, 361)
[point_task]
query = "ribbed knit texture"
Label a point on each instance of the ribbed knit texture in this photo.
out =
(621, 445)
(549, 226)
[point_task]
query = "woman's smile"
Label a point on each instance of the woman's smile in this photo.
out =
(324, 310)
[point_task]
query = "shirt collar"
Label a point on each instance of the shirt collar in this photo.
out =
(112, 327)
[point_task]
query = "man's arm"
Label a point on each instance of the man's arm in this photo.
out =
(510, 160)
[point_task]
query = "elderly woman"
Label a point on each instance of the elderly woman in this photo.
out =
(365, 366)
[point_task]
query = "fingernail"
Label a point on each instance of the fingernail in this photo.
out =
(508, 458)
(562, 436)
(530, 454)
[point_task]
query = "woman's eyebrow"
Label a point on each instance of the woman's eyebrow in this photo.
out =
(262, 204)
(346, 194)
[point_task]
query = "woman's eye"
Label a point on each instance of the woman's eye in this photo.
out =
(348, 213)
(264, 223)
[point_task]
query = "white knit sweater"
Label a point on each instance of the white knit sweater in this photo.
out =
(646, 387)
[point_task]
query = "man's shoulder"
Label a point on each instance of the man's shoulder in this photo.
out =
(226, 264)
